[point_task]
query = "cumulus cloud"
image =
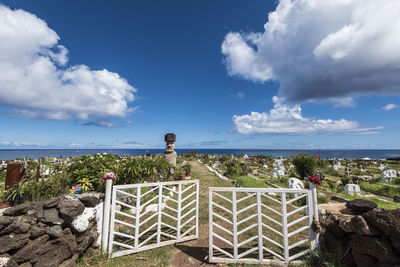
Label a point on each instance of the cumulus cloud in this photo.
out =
(390, 107)
(36, 82)
(322, 49)
(287, 119)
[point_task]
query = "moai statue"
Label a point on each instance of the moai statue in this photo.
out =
(170, 154)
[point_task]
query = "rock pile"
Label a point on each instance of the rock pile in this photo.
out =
(54, 232)
(364, 234)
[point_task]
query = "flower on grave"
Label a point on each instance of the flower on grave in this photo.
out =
(313, 179)
(75, 189)
(109, 175)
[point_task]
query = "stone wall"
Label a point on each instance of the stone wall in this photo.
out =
(363, 234)
(54, 232)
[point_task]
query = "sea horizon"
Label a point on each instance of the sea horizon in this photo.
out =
(10, 154)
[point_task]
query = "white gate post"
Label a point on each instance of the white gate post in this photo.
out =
(108, 177)
(315, 210)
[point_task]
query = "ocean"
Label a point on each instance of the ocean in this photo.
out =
(7, 154)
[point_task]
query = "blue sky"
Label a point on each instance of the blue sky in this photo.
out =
(198, 69)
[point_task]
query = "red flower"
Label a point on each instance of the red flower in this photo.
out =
(314, 179)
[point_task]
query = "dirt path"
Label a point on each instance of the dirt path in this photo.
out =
(195, 253)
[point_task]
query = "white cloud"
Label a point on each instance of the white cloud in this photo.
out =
(322, 49)
(239, 95)
(390, 107)
(34, 83)
(286, 119)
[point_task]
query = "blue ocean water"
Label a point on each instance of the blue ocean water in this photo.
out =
(326, 154)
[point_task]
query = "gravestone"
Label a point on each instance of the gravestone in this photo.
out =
(320, 175)
(170, 154)
(389, 175)
(13, 174)
(294, 183)
(352, 189)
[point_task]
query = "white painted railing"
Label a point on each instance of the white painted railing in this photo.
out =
(260, 225)
(147, 216)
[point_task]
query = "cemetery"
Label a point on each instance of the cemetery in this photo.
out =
(59, 204)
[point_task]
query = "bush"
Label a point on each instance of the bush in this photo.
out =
(345, 180)
(304, 164)
(232, 170)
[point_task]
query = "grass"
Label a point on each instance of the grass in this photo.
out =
(380, 188)
(154, 257)
(250, 182)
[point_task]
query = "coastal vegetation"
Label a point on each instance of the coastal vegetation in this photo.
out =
(86, 172)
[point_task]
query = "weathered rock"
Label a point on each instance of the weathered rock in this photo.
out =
(385, 220)
(25, 264)
(17, 227)
(88, 240)
(357, 224)
(37, 231)
(13, 241)
(17, 210)
(361, 205)
(30, 250)
(70, 262)
(53, 253)
(70, 207)
(395, 243)
(378, 247)
(50, 216)
(7, 261)
(5, 221)
(91, 199)
(51, 203)
(55, 231)
(70, 238)
(363, 260)
(330, 222)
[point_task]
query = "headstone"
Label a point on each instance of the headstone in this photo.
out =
(294, 183)
(255, 172)
(320, 175)
(170, 154)
(382, 167)
(389, 175)
(352, 189)
(13, 174)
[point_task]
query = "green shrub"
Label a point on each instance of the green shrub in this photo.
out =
(345, 180)
(304, 164)
(233, 170)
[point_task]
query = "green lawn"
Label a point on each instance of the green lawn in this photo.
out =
(250, 182)
(380, 188)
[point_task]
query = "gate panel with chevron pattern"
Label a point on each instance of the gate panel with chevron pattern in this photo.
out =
(260, 225)
(147, 216)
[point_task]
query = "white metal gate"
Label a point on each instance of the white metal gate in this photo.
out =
(151, 215)
(260, 225)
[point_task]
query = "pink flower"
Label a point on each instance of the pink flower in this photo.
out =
(109, 175)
